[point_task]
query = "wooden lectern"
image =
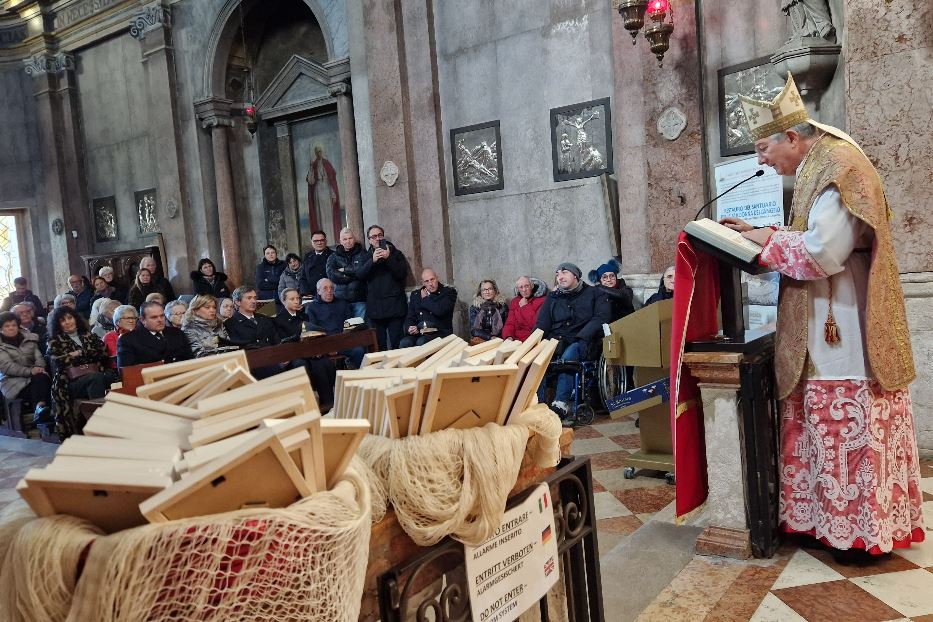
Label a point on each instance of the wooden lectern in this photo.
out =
(643, 340)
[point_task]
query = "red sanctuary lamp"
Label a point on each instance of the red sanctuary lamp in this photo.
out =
(249, 111)
(659, 33)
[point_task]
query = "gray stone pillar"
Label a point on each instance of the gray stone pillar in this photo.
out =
(151, 27)
(349, 161)
(60, 145)
(214, 114)
(283, 136)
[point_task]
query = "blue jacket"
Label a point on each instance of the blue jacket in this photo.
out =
(267, 278)
(328, 316)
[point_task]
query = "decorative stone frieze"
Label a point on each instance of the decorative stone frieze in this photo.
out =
(49, 63)
(151, 18)
(338, 89)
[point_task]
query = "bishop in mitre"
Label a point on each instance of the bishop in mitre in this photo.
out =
(849, 474)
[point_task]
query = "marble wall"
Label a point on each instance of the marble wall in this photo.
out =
(513, 62)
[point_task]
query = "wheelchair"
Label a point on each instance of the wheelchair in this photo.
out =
(595, 382)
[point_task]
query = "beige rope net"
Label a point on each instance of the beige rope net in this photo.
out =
(306, 562)
(456, 482)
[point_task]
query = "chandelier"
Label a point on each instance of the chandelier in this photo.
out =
(658, 31)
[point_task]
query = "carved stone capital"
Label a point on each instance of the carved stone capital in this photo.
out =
(718, 368)
(214, 112)
(152, 17)
(338, 89)
(49, 63)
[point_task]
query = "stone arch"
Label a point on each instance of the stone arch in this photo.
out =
(225, 29)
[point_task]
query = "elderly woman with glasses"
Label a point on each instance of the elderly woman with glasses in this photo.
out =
(175, 312)
(488, 313)
(124, 321)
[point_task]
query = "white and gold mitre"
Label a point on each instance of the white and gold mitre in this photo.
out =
(765, 119)
(784, 112)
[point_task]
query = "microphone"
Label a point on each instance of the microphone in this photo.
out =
(758, 173)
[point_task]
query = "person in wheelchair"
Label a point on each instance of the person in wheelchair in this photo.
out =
(573, 314)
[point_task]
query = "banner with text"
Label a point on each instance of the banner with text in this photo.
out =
(517, 566)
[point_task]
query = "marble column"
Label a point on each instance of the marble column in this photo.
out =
(727, 533)
(283, 136)
(151, 27)
(214, 114)
(65, 194)
(349, 161)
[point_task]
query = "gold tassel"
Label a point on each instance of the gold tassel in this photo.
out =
(830, 330)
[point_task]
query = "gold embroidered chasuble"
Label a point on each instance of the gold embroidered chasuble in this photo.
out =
(833, 161)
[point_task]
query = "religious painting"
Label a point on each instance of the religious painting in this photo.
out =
(318, 178)
(104, 211)
(146, 211)
(476, 158)
(581, 140)
(756, 79)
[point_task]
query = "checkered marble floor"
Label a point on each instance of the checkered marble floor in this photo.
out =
(804, 581)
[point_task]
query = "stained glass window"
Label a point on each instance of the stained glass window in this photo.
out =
(10, 266)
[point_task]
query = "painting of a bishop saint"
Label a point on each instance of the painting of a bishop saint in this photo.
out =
(323, 195)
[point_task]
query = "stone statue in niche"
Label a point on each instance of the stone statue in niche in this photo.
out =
(323, 195)
(809, 18)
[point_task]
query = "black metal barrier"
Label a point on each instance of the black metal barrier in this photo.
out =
(433, 585)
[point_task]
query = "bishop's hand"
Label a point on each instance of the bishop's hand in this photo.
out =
(736, 224)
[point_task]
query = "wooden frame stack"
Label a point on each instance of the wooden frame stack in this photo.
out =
(201, 437)
(443, 384)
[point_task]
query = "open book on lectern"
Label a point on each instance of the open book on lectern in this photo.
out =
(725, 244)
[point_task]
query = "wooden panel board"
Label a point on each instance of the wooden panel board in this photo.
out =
(183, 393)
(418, 354)
(311, 454)
(246, 418)
(166, 386)
(226, 380)
(77, 463)
(484, 391)
(230, 483)
(533, 339)
(139, 402)
(341, 440)
(105, 447)
(444, 355)
(258, 392)
(109, 500)
(533, 378)
(398, 408)
(153, 374)
(505, 350)
(418, 400)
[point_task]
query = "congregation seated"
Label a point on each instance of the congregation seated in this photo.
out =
(573, 314)
(290, 323)
(225, 308)
(203, 327)
(665, 289)
(488, 313)
(101, 289)
(22, 293)
(101, 320)
(64, 300)
(342, 268)
(292, 276)
(606, 279)
(22, 368)
(268, 273)
(78, 358)
(82, 292)
(118, 290)
(124, 321)
(524, 308)
(159, 282)
(175, 313)
(430, 311)
(26, 313)
(152, 340)
(143, 287)
(328, 314)
(247, 328)
(314, 264)
(206, 280)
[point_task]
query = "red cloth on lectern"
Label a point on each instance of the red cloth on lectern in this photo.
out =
(696, 299)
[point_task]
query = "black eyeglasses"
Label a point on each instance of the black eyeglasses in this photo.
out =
(313, 241)
(377, 236)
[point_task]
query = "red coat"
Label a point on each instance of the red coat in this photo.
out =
(521, 321)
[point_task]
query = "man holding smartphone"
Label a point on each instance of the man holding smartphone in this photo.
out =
(384, 272)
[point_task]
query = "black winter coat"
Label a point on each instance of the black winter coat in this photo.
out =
(385, 284)
(620, 300)
(435, 310)
(141, 346)
(314, 268)
(245, 332)
(218, 289)
(574, 316)
(288, 325)
(347, 286)
(267, 279)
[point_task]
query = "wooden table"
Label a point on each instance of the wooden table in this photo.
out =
(312, 346)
